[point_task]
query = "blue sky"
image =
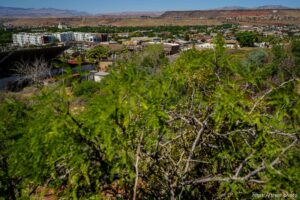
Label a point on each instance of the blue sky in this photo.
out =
(104, 6)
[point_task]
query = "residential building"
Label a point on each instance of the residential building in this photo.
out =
(90, 37)
(169, 48)
(23, 39)
(262, 44)
(65, 36)
(205, 46)
(97, 76)
(81, 37)
(231, 44)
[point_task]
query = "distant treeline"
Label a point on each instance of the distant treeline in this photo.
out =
(172, 29)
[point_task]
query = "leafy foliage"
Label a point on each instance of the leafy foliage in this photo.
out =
(86, 88)
(197, 127)
(5, 37)
(247, 39)
(97, 53)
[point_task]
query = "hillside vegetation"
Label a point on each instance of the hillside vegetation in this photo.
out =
(208, 126)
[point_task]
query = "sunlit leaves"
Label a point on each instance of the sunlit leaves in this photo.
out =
(162, 108)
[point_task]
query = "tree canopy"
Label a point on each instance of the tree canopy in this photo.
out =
(247, 38)
(97, 53)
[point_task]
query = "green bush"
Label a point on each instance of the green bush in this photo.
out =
(193, 128)
(86, 88)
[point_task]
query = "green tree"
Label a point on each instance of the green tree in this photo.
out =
(247, 38)
(97, 53)
(219, 43)
(295, 47)
(5, 37)
(151, 59)
(187, 37)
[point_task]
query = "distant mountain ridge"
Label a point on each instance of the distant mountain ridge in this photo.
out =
(11, 12)
(273, 7)
(265, 7)
(131, 14)
(264, 14)
(41, 12)
(230, 8)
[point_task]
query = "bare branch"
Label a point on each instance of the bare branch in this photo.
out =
(238, 170)
(180, 159)
(177, 137)
(248, 176)
(34, 71)
(197, 161)
(138, 151)
(291, 135)
(196, 141)
(257, 181)
(250, 131)
(268, 92)
(274, 162)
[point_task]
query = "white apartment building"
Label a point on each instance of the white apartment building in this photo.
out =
(86, 37)
(23, 39)
(80, 37)
(18, 39)
(65, 36)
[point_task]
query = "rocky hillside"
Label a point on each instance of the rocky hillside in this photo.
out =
(231, 13)
(280, 15)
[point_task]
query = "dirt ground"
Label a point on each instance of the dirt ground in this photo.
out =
(97, 21)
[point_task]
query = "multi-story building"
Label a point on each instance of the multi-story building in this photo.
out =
(80, 37)
(65, 36)
(90, 37)
(23, 39)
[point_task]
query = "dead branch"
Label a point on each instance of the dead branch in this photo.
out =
(138, 151)
(247, 177)
(34, 71)
(268, 92)
(196, 141)
(274, 162)
(238, 170)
